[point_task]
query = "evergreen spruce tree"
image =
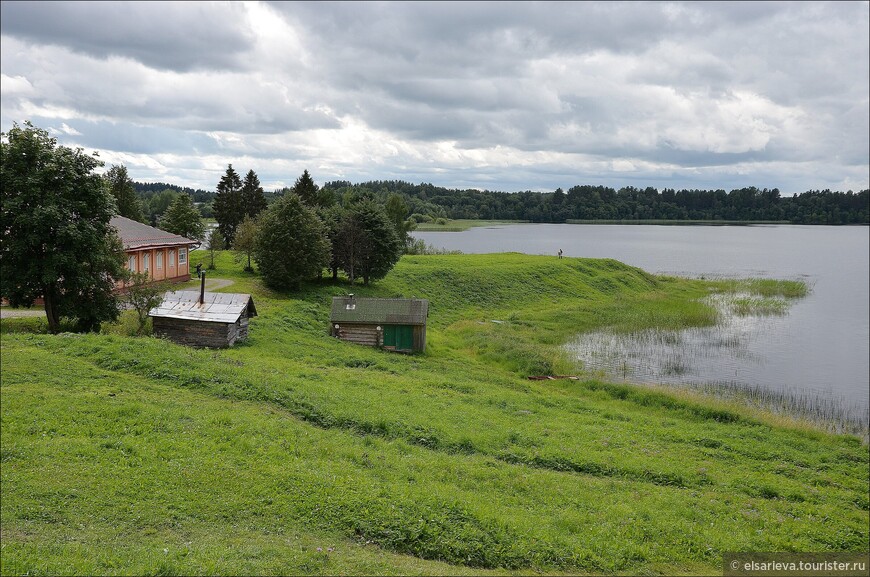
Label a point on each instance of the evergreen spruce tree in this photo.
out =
(183, 218)
(121, 187)
(228, 205)
(253, 197)
(291, 244)
(397, 209)
(306, 189)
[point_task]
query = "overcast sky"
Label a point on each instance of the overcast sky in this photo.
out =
(494, 95)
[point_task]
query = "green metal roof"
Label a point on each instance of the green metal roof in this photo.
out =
(385, 311)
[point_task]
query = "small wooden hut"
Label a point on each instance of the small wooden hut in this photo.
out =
(201, 319)
(393, 324)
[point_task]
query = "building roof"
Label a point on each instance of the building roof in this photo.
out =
(135, 235)
(350, 309)
(217, 307)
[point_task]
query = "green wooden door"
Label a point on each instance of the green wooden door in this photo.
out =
(389, 336)
(400, 337)
(405, 337)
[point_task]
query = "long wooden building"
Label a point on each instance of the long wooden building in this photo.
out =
(392, 324)
(159, 254)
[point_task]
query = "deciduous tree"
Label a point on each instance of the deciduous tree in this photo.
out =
(332, 216)
(58, 243)
(368, 245)
(216, 241)
(143, 295)
(246, 237)
(158, 204)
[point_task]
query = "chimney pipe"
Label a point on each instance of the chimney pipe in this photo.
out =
(202, 290)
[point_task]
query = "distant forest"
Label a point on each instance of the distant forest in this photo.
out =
(628, 203)
(428, 202)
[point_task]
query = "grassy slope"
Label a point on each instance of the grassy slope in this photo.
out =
(138, 456)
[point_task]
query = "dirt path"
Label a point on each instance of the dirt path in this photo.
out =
(216, 283)
(7, 313)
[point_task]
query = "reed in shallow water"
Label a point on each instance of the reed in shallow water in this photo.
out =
(675, 358)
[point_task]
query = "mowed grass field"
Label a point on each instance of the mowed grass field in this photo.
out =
(295, 453)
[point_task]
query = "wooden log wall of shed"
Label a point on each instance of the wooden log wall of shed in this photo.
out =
(420, 337)
(242, 325)
(196, 333)
(367, 335)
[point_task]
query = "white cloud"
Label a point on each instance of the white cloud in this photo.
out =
(516, 95)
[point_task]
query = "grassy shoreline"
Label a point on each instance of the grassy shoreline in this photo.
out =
(131, 455)
(461, 225)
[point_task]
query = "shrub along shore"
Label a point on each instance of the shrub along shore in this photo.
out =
(295, 453)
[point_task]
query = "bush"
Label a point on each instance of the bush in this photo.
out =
(127, 325)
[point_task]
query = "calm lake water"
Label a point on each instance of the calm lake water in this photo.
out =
(822, 345)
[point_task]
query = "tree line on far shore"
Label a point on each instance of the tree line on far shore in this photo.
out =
(428, 203)
(587, 202)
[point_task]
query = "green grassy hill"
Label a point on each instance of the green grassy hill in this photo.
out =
(296, 453)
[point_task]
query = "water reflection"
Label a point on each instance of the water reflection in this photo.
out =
(725, 359)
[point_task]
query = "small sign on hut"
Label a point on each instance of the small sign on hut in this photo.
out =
(393, 324)
(201, 319)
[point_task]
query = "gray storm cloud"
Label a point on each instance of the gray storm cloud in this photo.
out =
(507, 96)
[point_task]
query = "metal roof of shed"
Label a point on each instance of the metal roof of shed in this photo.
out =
(216, 308)
(386, 311)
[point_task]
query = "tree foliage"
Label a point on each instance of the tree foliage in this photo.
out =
(367, 244)
(291, 245)
(398, 212)
(427, 202)
(183, 218)
(253, 197)
(246, 237)
(216, 241)
(228, 207)
(58, 243)
(143, 295)
(332, 217)
(306, 189)
(157, 205)
(121, 186)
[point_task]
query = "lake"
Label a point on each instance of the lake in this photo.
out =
(822, 344)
